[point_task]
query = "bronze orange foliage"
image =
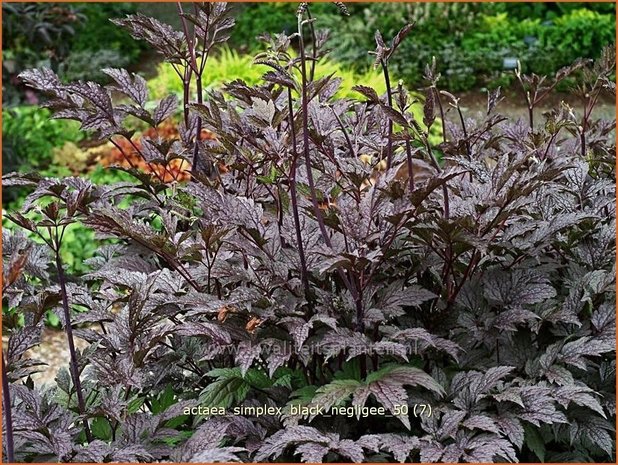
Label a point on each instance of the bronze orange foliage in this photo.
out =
(128, 156)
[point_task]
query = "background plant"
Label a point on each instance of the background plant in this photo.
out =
(470, 41)
(33, 34)
(295, 267)
(61, 37)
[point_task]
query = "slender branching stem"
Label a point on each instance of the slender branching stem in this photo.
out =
(550, 143)
(360, 327)
(531, 115)
(305, 128)
(314, 50)
(189, 39)
(389, 95)
(441, 107)
(463, 128)
(74, 365)
(294, 201)
(449, 248)
(198, 131)
(410, 167)
(200, 93)
(186, 86)
(529, 102)
(8, 415)
(345, 133)
(186, 81)
(590, 103)
(306, 155)
(124, 155)
(139, 152)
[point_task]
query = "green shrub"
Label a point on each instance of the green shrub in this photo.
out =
(580, 33)
(87, 64)
(29, 137)
(541, 47)
(470, 41)
(548, 10)
(98, 33)
(484, 50)
(500, 31)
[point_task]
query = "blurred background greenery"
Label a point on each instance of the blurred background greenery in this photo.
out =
(474, 44)
(469, 40)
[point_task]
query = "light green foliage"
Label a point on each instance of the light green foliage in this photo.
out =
(224, 67)
(580, 33)
(229, 65)
(29, 137)
(500, 30)
(106, 176)
(231, 387)
(78, 245)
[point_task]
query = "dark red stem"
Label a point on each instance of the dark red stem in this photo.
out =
(294, 200)
(69, 332)
(8, 415)
(389, 94)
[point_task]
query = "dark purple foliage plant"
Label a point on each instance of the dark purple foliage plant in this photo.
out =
(379, 295)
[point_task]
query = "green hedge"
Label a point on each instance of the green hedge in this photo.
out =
(469, 40)
(257, 18)
(97, 32)
(29, 137)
